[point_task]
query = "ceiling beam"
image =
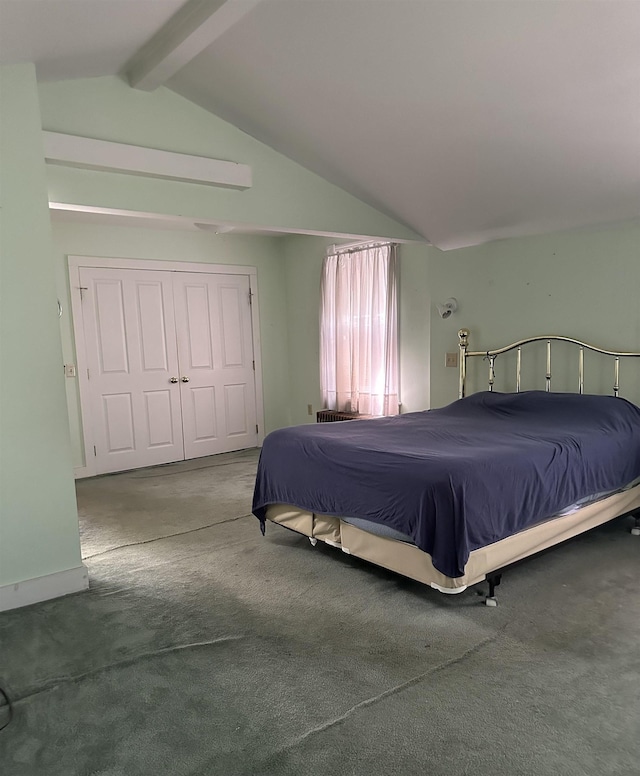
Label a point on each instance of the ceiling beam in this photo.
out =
(191, 30)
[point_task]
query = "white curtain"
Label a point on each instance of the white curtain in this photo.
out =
(359, 331)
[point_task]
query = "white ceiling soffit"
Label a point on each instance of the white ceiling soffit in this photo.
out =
(87, 214)
(79, 38)
(469, 121)
(78, 214)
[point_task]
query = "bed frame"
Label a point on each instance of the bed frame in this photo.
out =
(486, 563)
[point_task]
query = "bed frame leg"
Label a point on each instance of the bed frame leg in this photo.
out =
(636, 528)
(493, 580)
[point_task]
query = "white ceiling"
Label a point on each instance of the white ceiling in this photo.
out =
(79, 38)
(467, 120)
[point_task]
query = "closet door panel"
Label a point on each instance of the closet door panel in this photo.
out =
(215, 351)
(129, 327)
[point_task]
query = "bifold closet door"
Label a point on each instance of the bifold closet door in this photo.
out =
(215, 353)
(133, 383)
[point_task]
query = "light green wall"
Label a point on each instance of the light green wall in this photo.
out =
(38, 515)
(584, 284)
(414, 323)
(283, 194)
(303, 258)
(303, 261)
(264, 253)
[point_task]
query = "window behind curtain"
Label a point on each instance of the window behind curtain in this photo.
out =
(359, 331)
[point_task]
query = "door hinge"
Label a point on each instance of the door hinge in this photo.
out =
(95, 452)
(82, 288)
(254, 365)
(256, 428)
(250, 298)
(88, 375)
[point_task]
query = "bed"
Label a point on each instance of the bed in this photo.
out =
(452, 496)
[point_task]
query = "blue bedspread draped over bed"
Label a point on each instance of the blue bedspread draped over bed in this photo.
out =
(457, 478)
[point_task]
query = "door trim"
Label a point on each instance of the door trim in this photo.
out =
(76, 262)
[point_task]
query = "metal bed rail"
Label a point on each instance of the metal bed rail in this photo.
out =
(491, 355)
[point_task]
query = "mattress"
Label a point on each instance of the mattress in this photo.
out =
(390, 533)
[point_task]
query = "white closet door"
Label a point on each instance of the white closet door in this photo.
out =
(215, 352)
(131, 351)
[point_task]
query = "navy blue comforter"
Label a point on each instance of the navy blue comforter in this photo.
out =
(460, 477)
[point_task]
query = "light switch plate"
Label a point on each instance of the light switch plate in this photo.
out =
(69, 370)
(451, 359)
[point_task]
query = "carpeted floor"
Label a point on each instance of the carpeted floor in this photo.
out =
(204, 649)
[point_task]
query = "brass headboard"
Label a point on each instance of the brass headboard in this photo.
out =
(491, 355)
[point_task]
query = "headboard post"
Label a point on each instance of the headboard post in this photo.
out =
(463, 344)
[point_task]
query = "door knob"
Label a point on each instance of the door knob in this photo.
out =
(185, 379)
(173, 379)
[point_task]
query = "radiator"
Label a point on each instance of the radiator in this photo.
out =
(329, 416)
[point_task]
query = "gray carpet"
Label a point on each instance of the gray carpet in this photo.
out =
(215, 651)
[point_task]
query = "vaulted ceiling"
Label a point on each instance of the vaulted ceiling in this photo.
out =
(466, 120)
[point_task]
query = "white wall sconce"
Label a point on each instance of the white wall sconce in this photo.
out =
(446, 309)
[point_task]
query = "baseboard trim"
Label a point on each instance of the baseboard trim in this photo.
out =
(32, 591)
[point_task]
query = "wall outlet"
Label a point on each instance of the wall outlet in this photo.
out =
(451, 359)
(309, 409)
